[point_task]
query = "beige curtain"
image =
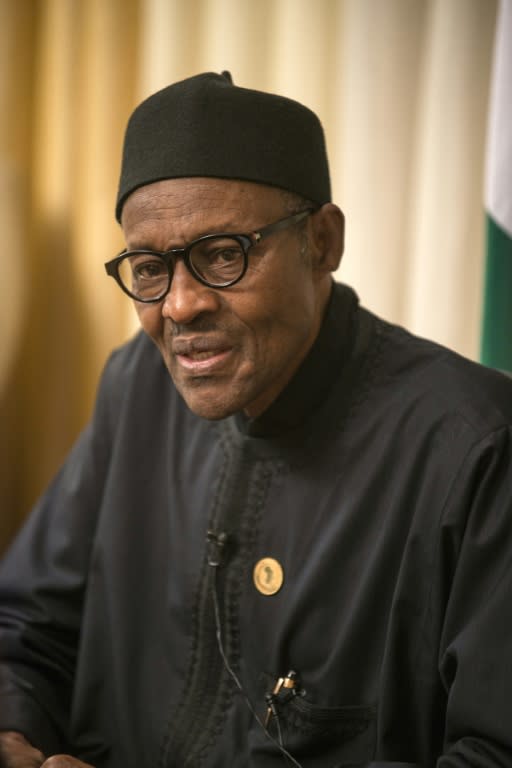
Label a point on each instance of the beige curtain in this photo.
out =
(400, 85)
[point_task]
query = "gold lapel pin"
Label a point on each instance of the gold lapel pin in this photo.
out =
(268, 576)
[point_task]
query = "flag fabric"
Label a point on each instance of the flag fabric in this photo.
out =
(497, 316)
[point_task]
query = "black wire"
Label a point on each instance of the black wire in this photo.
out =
(234, 676)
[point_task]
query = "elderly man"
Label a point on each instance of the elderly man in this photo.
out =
(294, 550)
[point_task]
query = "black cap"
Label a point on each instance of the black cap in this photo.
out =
(206, 126)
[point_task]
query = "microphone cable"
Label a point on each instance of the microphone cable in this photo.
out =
(214, 563)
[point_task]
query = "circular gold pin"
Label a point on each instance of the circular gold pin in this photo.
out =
(268, 576)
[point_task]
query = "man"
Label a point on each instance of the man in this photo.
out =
(294, 550)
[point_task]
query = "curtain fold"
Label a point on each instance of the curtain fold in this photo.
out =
(446, 226)
(400, 85)
(381, 54)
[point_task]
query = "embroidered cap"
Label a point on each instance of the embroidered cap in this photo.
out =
(206, 126)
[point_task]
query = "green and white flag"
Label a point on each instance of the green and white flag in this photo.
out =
(497, 319)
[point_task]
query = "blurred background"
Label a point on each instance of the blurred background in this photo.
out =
(401, 86)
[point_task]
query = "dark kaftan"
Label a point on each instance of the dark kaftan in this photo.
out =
(381, 482)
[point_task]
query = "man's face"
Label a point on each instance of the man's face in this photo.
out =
(235, 348)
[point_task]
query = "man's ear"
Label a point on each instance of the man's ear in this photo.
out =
(327, 228)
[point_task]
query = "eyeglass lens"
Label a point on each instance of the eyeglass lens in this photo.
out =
(218, 261)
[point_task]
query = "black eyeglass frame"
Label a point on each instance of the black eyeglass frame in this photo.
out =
(246, 241)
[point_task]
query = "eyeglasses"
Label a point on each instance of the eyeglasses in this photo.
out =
(217, 261)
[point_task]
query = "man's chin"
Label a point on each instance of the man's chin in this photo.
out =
(210, 411)
(209, 405)
(214, 397)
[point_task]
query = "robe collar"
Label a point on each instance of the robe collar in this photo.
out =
(312, 382)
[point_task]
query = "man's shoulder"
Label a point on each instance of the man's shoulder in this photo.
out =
(138, 349)
(439, 381)
(136, 369)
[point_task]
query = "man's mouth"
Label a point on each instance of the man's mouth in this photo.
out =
(206, 355)
(200, 355)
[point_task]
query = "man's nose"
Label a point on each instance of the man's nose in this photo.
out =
(187, 297)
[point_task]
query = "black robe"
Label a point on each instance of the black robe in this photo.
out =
(380, 481)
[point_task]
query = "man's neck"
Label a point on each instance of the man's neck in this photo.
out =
(311, 383)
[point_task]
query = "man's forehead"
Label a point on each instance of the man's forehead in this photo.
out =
(168, 213)
(188, 195)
